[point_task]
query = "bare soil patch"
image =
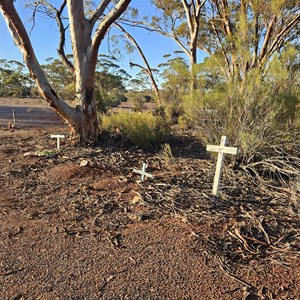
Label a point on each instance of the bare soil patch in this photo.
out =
(29, 113)
(96, 232)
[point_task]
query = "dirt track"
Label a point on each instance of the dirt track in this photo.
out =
(29, 113)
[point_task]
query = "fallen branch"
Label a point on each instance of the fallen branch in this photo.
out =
(238, 236)
(226, 270)
(11, 272)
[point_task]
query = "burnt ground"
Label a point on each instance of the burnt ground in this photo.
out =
(78, 224)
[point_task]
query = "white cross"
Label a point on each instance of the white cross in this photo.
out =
(222, 149)
(58, 137)
(143, 172)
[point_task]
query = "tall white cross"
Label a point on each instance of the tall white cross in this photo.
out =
(222, 149)
(58, 137)
(143, 172)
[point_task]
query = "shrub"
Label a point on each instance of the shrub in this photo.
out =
(138, 100)
(253, 114)
(143, 129)
(260, 117)
(108, 99)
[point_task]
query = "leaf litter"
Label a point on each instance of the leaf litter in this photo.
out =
(91, 194)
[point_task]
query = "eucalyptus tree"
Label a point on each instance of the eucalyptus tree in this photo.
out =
(60, 77)
(176, 85)
(253, 63)
(14, 80)
(246, 34)
(87, 30)
(181, 21)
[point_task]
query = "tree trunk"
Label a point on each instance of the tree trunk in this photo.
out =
(89, 125)
(192, 12)
(82, 119)
(84, 66)
(193, 62)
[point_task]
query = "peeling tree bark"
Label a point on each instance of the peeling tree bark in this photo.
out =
(82, 119)
(22, 40)
(192, 11)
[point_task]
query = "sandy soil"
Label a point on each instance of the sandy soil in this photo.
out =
(29, 113)
(79, 224)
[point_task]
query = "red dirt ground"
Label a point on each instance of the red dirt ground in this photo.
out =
(96, 232)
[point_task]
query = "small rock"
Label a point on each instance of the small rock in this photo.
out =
(84, 163)
(136, 199)
(27, 154)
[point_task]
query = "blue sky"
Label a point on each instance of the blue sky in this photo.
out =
(45, 39)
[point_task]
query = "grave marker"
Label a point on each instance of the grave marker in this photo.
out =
(58, 137)
(143, 172)
(222, 149)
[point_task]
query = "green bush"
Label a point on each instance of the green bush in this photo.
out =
(108, 99)
(256, 116)
(143, 129)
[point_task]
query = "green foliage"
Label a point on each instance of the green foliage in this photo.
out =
(60, 78)
(143, 129)
(176, 89)
(166, 154)
(110, 89)
(14, 80)
(184, 122)
(176, 85)
(168, 7)
(107, 99)
(141, 82)
(138, 99)
(245, 35)
(256, 115)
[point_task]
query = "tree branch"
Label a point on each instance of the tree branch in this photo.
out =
(283, 33)
(99, 11)
(222, 48)
(62, 39)
(62, 29)
(199, 7)
(151, 28)
(109, 19)
(22, 40)
(267, 39)
(147, 70)
(186, 7)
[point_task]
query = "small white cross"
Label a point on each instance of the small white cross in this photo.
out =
(58, 137)
(222, 149)
(143, 172)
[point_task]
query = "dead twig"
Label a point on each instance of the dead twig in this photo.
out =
(238, 236)
(11, 272)
(263, 230)
(226, 270)
(107, 280)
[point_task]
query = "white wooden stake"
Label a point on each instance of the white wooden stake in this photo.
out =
(143, 172)
(58, 137)
(222, 149)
